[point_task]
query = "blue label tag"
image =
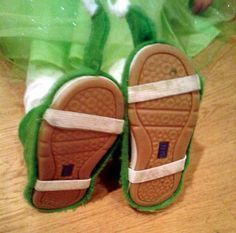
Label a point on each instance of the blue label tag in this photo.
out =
(67, 170)
(163, 149)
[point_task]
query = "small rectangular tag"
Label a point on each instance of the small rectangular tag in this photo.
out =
(67, 170)
(163, 150)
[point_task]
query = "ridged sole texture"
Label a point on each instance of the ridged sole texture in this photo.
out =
(160, 123)
(67, 154)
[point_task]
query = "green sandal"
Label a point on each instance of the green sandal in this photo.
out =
(163, 93)
(69, 137)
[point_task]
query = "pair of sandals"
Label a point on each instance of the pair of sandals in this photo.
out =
(71, 135)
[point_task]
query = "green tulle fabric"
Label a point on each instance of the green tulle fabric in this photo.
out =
(56, 32)
(176, 24)
(51, 32)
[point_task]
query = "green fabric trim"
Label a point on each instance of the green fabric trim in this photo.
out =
(100, 27)
(28, 134)
(126, 149)
(141, 27)
(190, 3)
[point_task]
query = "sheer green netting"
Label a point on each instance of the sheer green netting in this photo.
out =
(176, 24)
(56, 32)
(51, 32)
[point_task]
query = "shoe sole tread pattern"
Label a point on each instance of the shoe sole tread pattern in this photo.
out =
(166, 120)
(73, 153)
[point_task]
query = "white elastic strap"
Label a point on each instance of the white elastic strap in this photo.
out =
(76, 120)
(60, 185)
(119, 8)
(163, 88)
(156, 172)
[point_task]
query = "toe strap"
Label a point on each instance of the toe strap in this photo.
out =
(59, 185)
(156, 172)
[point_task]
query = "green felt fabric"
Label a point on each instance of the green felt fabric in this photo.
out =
(100, 28)
(141, 27)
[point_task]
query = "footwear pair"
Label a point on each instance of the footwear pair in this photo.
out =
(71, 135)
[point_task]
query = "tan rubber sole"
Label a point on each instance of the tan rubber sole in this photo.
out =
(73, 154)
(162, 123)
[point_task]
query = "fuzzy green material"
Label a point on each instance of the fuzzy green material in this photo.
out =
(141, 27)
(99, 32)
(126, 148)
